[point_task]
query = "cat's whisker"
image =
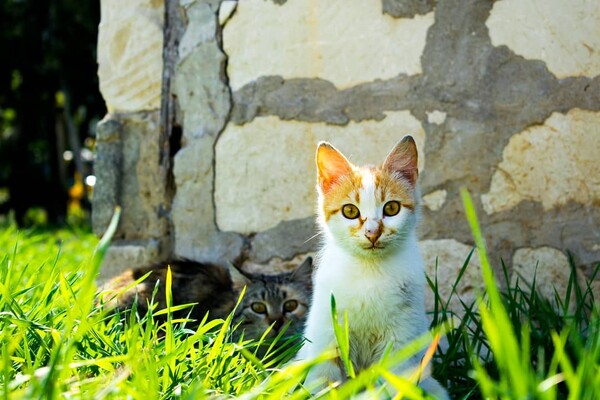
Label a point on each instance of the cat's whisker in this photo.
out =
(312, 237)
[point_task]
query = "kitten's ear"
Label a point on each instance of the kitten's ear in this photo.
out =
(331, 165)
(238, 279)
(303, 272)
(402, 160)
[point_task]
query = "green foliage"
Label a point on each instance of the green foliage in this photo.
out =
(49, 48)
(56, 342)
(514, 343)
(343, 339)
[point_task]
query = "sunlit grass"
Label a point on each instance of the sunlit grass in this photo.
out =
(56, 343)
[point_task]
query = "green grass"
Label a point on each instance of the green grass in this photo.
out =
(55, 342)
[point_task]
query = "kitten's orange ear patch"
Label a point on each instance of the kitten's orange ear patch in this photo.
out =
(403, 160)
(331, 166)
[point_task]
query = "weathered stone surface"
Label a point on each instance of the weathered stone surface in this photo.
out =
(286, 240)
(108, 171)
(130, 254)
(450, 256)
(554, 163)
(265, 171)
(469, 94)
(203, 97)
(435, 200)
(548, 266)
(316, 100)
(407, 8)
(226, 10)
(436, 117)
(130, 46)
(563, 34)
(195, 233)
(143, 182)
(131, 177)
(276, 265)
(326, 39)
(204, 102)
(571, 227)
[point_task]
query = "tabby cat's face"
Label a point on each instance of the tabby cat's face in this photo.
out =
(276, 301)
(368, 210)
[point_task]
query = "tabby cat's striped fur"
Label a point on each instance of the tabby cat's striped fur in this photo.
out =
(270, 300)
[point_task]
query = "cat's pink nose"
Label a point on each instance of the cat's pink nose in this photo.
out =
(373, 232)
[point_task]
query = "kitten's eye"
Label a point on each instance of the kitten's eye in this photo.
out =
(290, 305)
(391, 208)
(350, 211)
(259, 308)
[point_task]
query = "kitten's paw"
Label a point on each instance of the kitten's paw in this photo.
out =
(433, 387)
(322, 375)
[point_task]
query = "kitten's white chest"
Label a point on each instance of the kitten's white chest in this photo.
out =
(372, 308)
(383, 303)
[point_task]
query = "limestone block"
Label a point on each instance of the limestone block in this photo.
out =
(436, 117)
(549, 266)
(108, 170)
(200, 28)
(196, 236)
(265, 170)
(192, 205)
(130, 47)
(407, 8)
(129, 175)
(121, 256)
(143, 181)
(331, 40)
(285, 240)
(226, 10)
(204, 104)
(202, 95)
(435, 200)
(451, 256)
(554, 164)
(276, 265)
(563, 34)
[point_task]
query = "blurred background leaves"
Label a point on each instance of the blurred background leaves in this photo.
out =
(49, 106)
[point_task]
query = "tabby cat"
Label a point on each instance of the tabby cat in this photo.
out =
(269, 299)
(370, 261)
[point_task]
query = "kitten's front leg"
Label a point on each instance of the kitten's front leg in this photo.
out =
(323, 374)
(327, 371)
(434, 388)
(427, 382)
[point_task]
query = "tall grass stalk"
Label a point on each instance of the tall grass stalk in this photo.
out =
(523, 370)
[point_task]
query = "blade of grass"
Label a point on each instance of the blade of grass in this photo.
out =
(496, 323)
(342, 336)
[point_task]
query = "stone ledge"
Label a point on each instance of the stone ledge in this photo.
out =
(124, 255)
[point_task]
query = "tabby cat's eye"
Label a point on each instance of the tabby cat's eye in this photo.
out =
(391, 208)
(350, 211)
(259, 308)
(290, 305)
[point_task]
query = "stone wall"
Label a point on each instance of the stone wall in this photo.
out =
(216, 108)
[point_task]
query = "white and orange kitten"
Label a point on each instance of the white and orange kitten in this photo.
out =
(370, 261)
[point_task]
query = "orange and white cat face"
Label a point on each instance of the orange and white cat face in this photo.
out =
(368, 210)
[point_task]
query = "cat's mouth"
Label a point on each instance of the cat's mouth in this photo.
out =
(373, 247)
